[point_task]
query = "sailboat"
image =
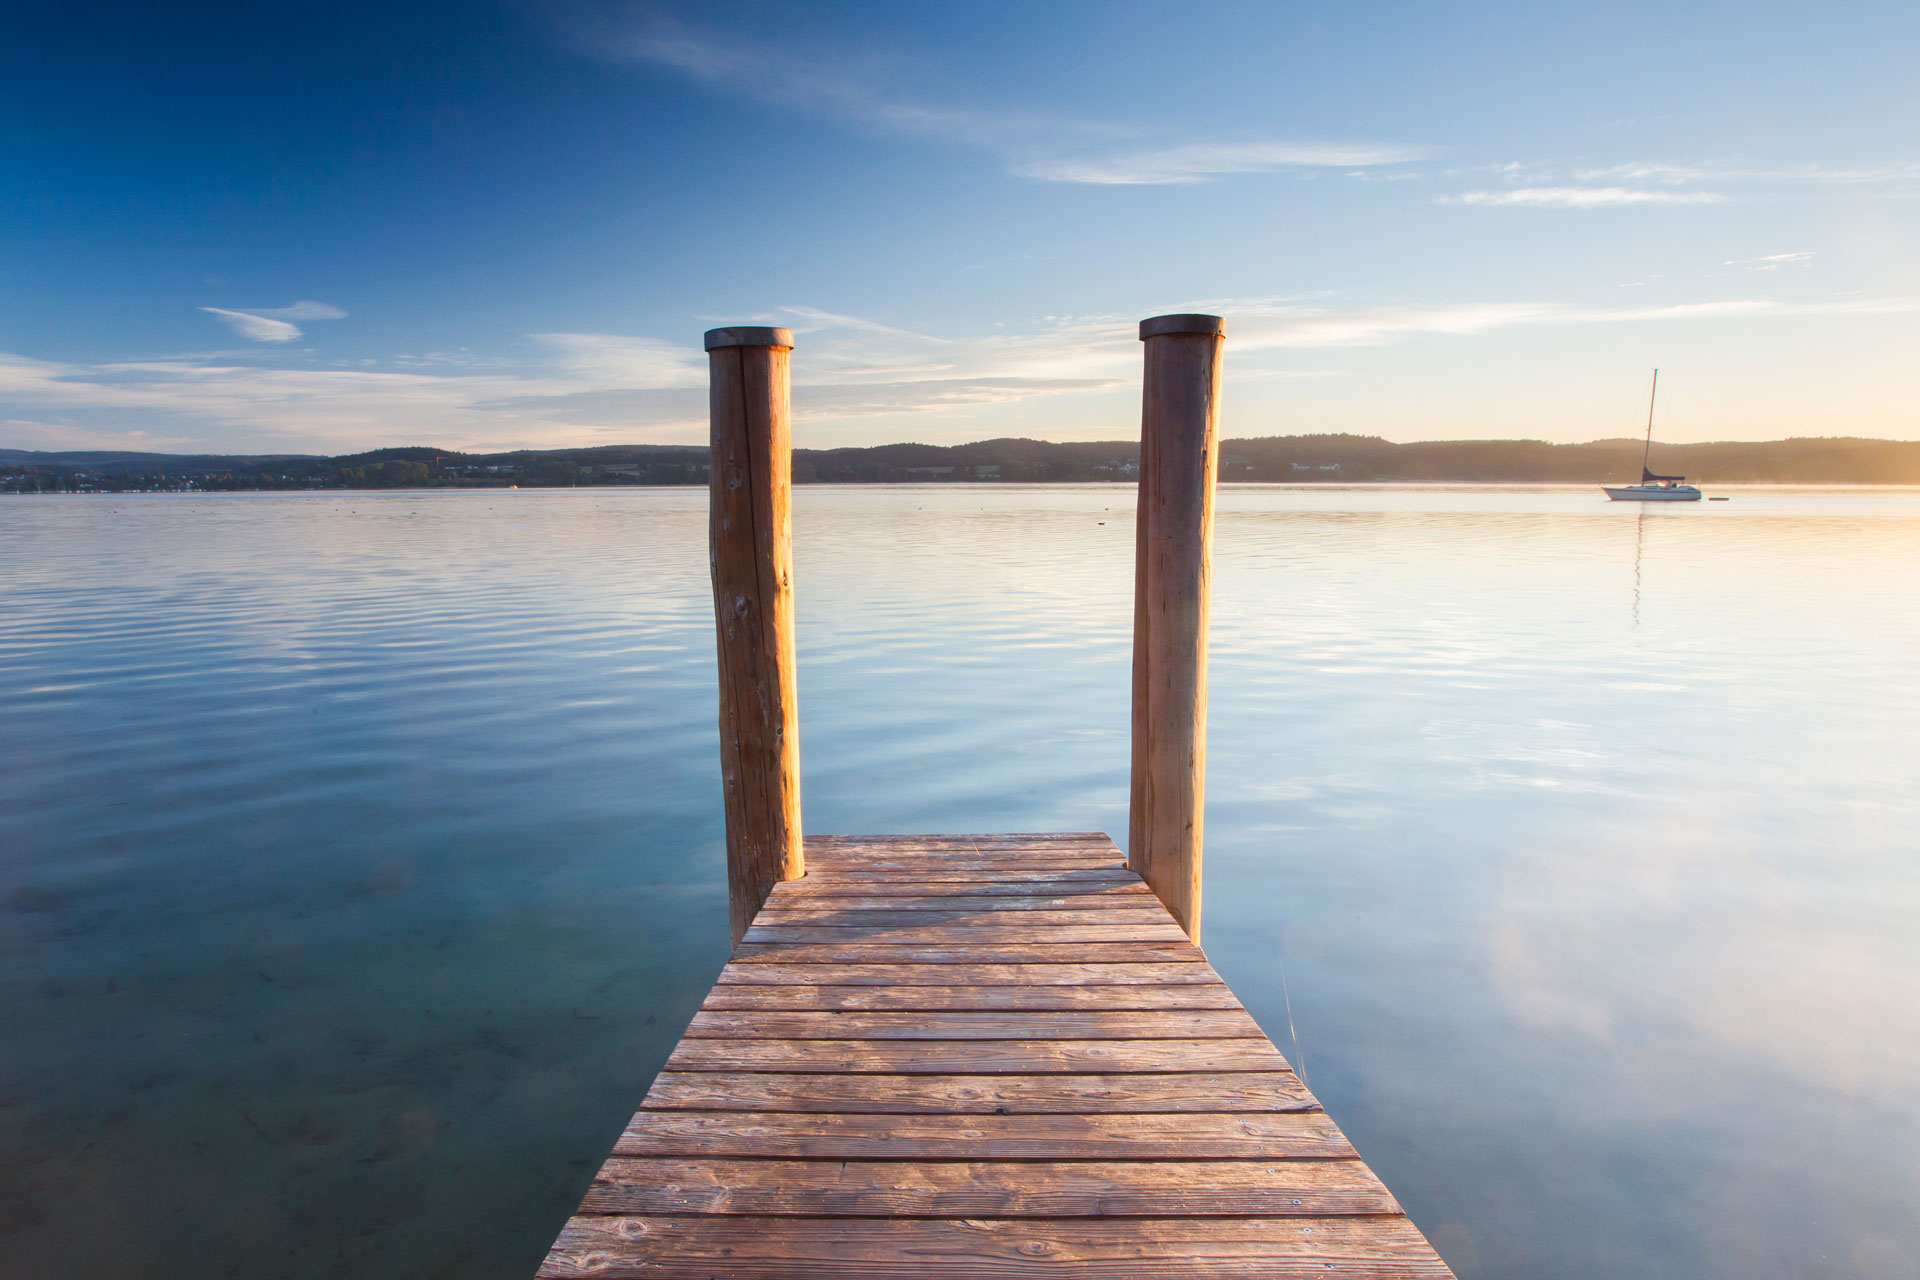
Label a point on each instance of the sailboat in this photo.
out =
(1653, 488)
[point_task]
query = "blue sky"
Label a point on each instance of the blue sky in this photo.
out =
(265, 228)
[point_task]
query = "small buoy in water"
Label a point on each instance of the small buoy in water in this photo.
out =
(1719, 499)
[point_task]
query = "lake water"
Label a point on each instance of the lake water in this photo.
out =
(361, 859)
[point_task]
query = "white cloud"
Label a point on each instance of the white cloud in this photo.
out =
(274, 324)
(1257, 325)
(1582, 197)
(1198, 162)
(1772, 261)
(1816, 175)
(256, 328)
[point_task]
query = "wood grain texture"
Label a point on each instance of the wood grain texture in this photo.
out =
(943, 881)
(750, 548)
(1227, 1091)
(973, 932)
(992, 1024)
(799, 895)
(752, 1248)
(1015, 1057)
(1036, 974)
(1139, 995)
(1281, 1135)
(1035, 913)
(981, 1189)
(964, 952)
(1173, 534)
(929, 1058)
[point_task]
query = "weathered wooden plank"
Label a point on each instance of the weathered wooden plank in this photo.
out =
(937, 1057)
(801, 902)
(611, 1247)
(832, 915)
(943, 875)
(1077, 1024)
(981, 1189)
(966, 953)
(1274, 1135)
(1044, 844)
(957, 867)
(1000, 839)
(1106, 884)
(917, 847)
(1028, 974)
(976, 1094)
(1139, 995)
(985, 932)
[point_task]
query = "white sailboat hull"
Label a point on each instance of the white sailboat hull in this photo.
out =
(1652, 492)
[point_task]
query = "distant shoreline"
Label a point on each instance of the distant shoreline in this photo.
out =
(1316, 459)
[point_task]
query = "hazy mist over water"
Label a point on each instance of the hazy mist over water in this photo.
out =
(360, 854)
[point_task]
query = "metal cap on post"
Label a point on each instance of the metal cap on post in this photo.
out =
(1173, 535)
(750, 547)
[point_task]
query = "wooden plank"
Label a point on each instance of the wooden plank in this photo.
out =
(1078, 1024)
(1031, 974)
(1122, 884)
(981, 1189)
(976, 1094)
(834, 855)
(1018, 839)
(1277, 1135)
(937, 1057)
(998, 839)
(966, 953)
(783, 903)
(832, 915)
(983, 933)
(767, 1248)
(960, 867)
(937, 879)
(796, 999)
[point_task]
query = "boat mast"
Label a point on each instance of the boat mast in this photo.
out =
(1648, 452)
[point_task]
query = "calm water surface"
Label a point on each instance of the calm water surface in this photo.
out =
(360, 856)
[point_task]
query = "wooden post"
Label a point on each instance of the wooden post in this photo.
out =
(1173, 536)
(750, 546)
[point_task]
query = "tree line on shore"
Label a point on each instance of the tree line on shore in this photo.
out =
(1316, 459)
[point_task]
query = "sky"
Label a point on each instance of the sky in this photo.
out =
(479, 225)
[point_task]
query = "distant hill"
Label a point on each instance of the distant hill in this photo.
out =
(1272, 459)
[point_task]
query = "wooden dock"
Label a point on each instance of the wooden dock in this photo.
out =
(979, 1056)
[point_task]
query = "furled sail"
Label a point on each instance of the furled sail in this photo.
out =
(1647, 477)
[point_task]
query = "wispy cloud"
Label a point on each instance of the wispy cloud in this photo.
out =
(1812, 174)
(1046, 147)
(1551, 186)
(1257, 325)
(1772, 261)
(1199, 162)
(585, 388)
(1582, 197)
(273, 324)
